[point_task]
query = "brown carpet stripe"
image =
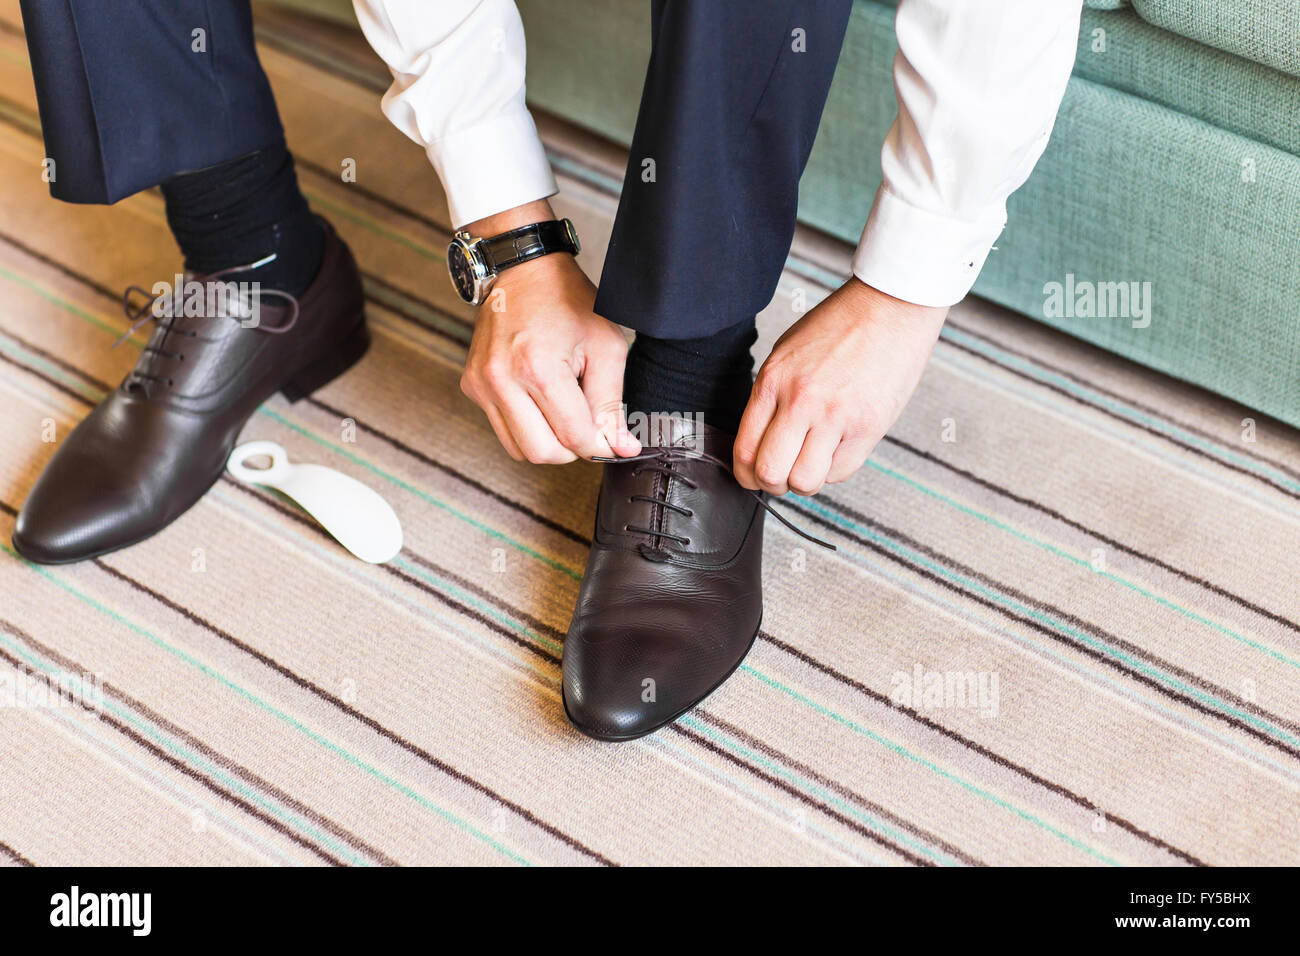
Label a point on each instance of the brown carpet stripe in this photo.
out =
(178, 733)
(550, 658)
(184, 768)
(1053, 632)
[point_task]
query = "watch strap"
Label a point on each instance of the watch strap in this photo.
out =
(528, 242)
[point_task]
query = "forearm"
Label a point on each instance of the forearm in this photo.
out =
(458, 91)
(979, 83)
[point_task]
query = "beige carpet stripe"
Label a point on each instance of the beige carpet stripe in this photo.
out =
(56, 779)
(136, 722)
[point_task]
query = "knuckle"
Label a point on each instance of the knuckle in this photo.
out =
(806, 405)
(769, 474)
(495, 375)
(570, 437)
(862, 426)
(835, 407)
(804, 386)
(811, 397)
(538, 456)
(613, 345)
(532, 364)
(549, 454)
(767, 386)
(804, 485)
(606, 416)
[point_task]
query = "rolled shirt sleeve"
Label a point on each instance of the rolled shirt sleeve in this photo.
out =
(458, 91)
(979, 84)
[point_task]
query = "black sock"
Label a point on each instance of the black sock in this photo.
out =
(243, 211)
(710, 375)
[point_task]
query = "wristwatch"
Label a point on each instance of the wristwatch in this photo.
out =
(474, 264)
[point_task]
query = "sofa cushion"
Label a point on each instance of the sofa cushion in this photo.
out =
(1265, 31)
(1123, 51)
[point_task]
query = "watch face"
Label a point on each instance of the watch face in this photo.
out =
(462, 271)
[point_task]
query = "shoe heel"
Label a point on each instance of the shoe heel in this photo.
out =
(329, 367)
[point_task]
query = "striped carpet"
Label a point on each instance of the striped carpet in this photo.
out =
(1102, 547)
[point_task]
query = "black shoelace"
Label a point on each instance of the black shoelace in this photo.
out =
(139, 314)
(662, 461)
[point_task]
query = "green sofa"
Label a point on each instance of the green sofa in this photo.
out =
(1175, 161)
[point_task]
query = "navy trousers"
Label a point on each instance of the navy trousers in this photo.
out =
(732, 99)
(134, 92)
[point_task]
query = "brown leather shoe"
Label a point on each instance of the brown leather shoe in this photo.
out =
(153, 447)
(673, 593)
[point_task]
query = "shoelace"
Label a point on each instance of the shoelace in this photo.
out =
(138, 315)
(664, 459)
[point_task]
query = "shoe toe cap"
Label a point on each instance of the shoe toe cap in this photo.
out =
(53, 530)
(79, 509)
(614, 704)
(619, 686)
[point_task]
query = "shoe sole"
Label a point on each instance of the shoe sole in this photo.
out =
(618, 739)
(313, 376)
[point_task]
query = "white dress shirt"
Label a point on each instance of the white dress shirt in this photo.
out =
(979, 83)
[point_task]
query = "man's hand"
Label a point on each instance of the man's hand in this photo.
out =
(834, 384)
(544, 367)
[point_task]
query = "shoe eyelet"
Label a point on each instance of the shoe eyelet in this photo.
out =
(625, 527)
(686, 542)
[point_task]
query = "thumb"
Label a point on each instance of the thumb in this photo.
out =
(602, 384)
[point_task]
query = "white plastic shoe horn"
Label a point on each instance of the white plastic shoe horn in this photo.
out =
(357, 517)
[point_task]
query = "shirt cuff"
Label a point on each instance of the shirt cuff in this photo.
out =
(492, 167)
(923, 257)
